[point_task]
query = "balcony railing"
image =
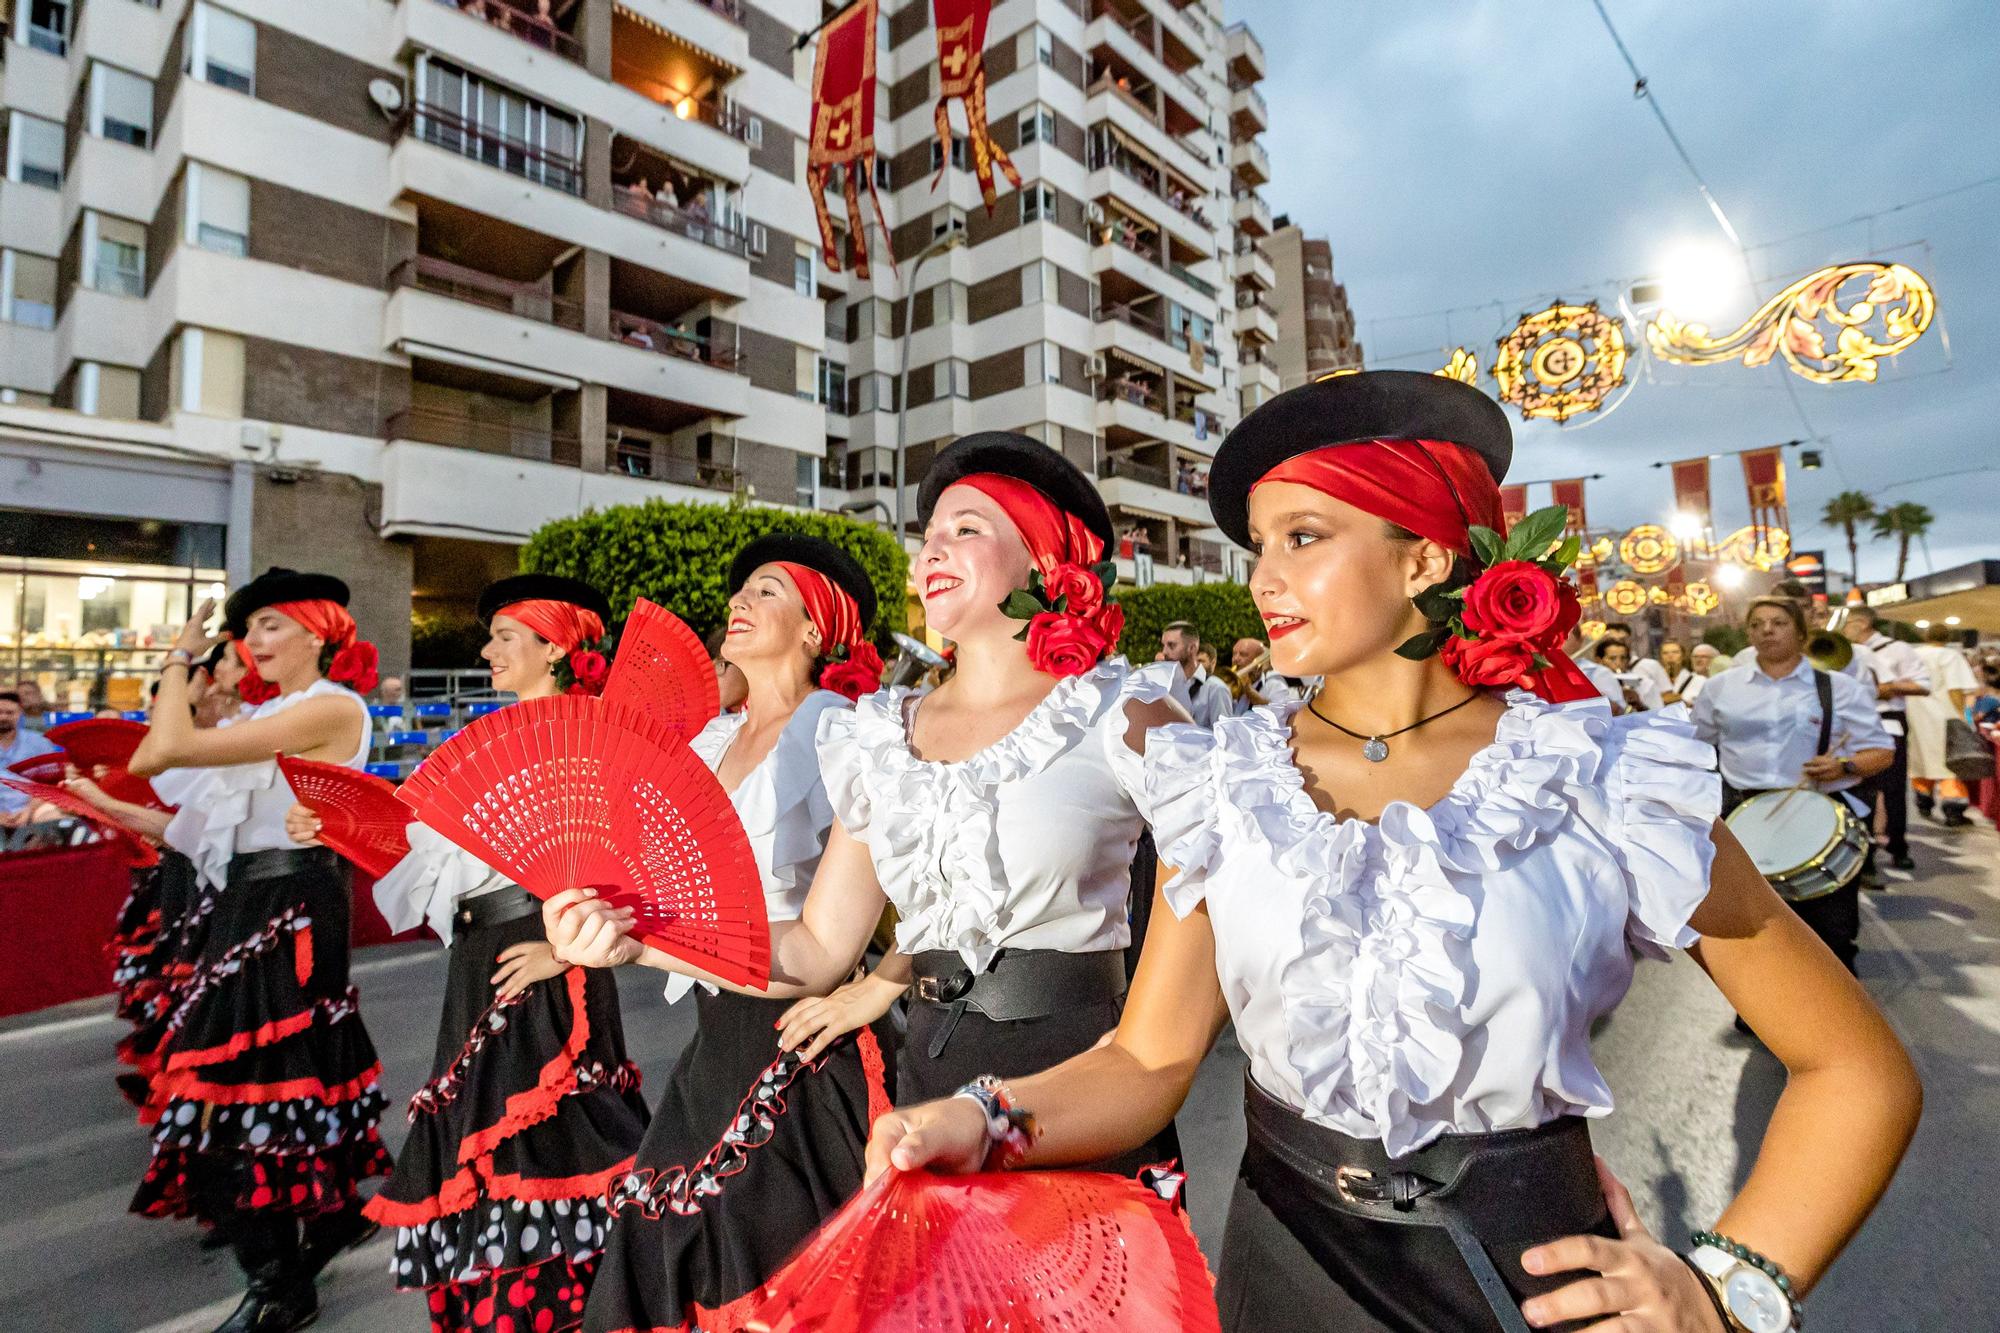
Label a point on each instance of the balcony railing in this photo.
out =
(1124, 314)
(525, 299)
(434, 426)
(1181, 271)
(1253, 97)
(730, 238)
(635, 456)
(1150, 473)
(1204, 555)
(729, 9)
(1149, 177)
(455, 134)
(1130, 391)
(668, 340)
(530, 28)
(716, 115)
(1248, 355)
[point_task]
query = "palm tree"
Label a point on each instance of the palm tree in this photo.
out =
(1846, 511)
(1906, 522)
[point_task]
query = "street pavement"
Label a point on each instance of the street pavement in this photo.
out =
(1693, 1101)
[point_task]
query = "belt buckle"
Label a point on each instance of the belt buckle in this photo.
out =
(945, 990)
(927, 989)
(1345, 1179)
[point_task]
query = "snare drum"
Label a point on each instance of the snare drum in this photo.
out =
(1806, 843)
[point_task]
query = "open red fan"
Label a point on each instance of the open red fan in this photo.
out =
(40, 767)
(120, 785)
(572, 791)
(92, 741)
(663, 671)
(137, 852)
(1003, 1252)
(359, 815)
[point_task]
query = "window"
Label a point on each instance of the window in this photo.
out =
(47, 24)
(107, 391)
(873, 392)
(949, 302)
(1045, 46)
(28, 289)
(864, 319)
(218, 210)
(950, 218)
(804, 280)
(121, 105)
(1044, 363)
(222, 49)
(806, 487)
(833, 385)
(114, 255)
(959, 156)
(207, 373)
(882, 173)
(1038, 201)
(753, 131)
(951, 379)
(1038, 125)
(1038, 282)
(35, 151)
(498, 126)
(760, 239)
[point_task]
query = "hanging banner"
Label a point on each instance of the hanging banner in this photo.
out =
(961, 43)
(1691, 490)
(843, 129)
(1569, 494)
(1513, 504)
(1677, 582)
(1764, 479)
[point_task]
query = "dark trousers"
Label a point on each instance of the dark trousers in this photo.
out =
(1891, 787)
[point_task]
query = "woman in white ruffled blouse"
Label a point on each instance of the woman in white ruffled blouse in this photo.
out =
(1414, 898)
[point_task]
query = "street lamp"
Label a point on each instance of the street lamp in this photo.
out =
(953, 237)
(863, 506)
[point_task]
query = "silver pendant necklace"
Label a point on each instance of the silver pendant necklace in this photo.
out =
(1375, 748)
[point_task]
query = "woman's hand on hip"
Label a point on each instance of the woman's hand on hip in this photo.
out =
(1641, 1286)
(815, 1023)
(523, 964)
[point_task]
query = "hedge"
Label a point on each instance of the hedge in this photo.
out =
(677, 554)
(1221, 612)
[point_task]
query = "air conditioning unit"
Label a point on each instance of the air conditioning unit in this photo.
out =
(1095, 369)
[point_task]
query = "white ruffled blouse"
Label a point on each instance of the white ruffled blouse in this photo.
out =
(426, 886)
(1438, 971)
(242, 807)
(1027, 844)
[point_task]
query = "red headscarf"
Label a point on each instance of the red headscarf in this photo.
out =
(1065, 552)
(253, 689)
(354, 659)
(855, 668)
(564, 624)
(1054, 535)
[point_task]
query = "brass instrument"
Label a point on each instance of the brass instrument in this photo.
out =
(1829, 650)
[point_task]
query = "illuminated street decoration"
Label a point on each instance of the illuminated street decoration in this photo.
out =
(1463, 367)
(1788, 325)
(1758, 548)
(1560, 362)
(1702, 599)
(1602, 550)
(1659, 596)
(1625, 597)
(1591, 629)
(1649, 549)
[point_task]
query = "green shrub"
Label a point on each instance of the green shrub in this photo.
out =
(678, 555)
(1728, 640)
(445, 642)
(1220, 612)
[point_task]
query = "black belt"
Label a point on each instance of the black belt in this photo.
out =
(276, 863)
(1469, 1185)
(1018, 984)
(495, 909)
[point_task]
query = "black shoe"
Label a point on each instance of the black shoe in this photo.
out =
(327, 1239)
(280, 1299)
(1902, 862)
(1924, 807)
(1955, 818)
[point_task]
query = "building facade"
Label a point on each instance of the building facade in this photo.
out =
(380, 286)
(1315, 324)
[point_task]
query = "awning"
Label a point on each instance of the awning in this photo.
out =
(1969, 592)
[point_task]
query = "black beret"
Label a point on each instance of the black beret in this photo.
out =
(276, 585)
(542, 588)
(1024, 459)
(1348, 409)
(818, 553)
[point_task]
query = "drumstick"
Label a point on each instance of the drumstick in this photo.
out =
(1840, 739)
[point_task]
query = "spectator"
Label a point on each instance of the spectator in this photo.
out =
(1680, 674)
(16, 744)
(34, 708)
(1615, 656)
(666, 196)
(1706, 659)
(1208, 698)
(1952, 688)
(1899, 676)
(1644, 666)
(390, 691)
(1251, 660)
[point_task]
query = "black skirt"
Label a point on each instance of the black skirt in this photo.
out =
(1294, 1257)
(747, 1153)
(532, 1109)
(265, 1094)
(150, 960)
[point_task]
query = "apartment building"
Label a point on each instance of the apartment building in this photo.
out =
(380, 286)
(1315, 324)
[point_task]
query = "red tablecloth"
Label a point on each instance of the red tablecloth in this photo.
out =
(1988, 793)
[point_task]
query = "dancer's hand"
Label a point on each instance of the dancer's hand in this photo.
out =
(194, 638)
(947, 1136)
(588, 932)
(522, 965)
(1641, 1287)
(302, 826)
(77, 785)
(815, 1023)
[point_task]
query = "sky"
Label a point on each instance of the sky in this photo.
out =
(1491, 157)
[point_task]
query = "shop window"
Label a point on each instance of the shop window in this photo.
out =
(222, 49)
(34, 151)
(121, 105)
(107, 391)
(218, 210)
(114, 254)
(28, 289)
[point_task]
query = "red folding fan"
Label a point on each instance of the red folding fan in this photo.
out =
(136, 852)
(359, 815)
(572, 792)
(1003, 1252)
(662, 670)
(92, 741)
(40, 767)
(120, 785)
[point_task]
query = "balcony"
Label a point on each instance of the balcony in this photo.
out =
(1246, 55)
(1249, 164)
(1144, 339)
(528, 300)
(1129, 267)
(1250, 213)
(693, 223)
(461, 431)
(669, 339)
(1254, 266)
(651, 458)
(453, 133)
(645, 59)
(1255, 317)
(531, 28)
(1147, 490)
(1248, 112)
(1107, 147)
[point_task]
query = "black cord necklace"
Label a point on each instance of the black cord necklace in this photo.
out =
(1376, 748)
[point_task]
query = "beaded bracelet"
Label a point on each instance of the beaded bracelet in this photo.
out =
(1770, 1268)
(1009, 1128)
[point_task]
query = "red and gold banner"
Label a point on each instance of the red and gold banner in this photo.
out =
(1569, 494)
(843, 129)
(1764, 479)
(1513, 505)
(1691, 490)
(961, 43)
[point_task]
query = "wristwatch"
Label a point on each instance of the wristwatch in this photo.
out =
(1752, 1298)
